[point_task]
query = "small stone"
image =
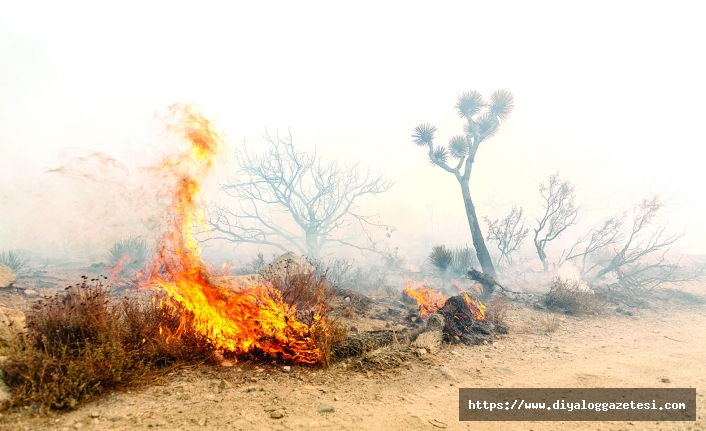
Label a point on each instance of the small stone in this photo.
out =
(447, 373)
(201, 422)
(30, 292)
(666, 380)
(270, 408)
(223, 385)
(277, 414)
(325, 408)
(226, 364)
(347, 299)
(251, 389)
(95, 415)
(78, 425)
(253, 379)
(336, 398)
(485, 342)
(287, 369)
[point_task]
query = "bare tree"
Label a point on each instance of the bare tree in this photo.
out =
(508, 233)
(285, 189)
(639, 259)
(482, 122)
(560, 212)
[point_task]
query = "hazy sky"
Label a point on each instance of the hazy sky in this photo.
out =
(609, 93)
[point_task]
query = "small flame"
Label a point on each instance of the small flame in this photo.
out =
(116, 269)
(429, 300)
(244, 322)
(477, 308)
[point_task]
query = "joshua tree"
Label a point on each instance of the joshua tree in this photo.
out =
(482, 122)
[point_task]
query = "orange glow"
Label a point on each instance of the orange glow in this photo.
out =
(254, 321)
(428, 299)
(118, 267)
(476, 307)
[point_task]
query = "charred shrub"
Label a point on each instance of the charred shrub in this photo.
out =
(575, 297)
(79, 343)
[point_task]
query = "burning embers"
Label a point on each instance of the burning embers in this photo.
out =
(254, 321)
(464, 318)
(430, 300)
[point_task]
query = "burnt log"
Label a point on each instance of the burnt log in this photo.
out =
(487, 281)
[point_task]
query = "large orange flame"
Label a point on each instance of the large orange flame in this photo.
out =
(253, 321)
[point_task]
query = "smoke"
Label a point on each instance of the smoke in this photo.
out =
(77, 208)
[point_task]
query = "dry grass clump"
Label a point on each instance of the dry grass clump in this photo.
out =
(307, 291)
(311, 294)
(79, 343)
(548, 323)
(496, 313)
(574, 297)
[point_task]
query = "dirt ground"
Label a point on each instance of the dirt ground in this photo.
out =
(660, 347)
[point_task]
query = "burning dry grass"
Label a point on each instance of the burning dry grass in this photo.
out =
(79, 344)
(574, 297)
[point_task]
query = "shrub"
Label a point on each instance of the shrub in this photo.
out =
(79, 344)
(129, 254)
(13, 260)
(450, 263)
(575, 297)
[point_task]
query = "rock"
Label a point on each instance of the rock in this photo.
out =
(223, 385)
(666, 380)
(5, 394)
(30, 292)
(7, 276)
(277, 414)
(503, 370)
(78, 425)
(201, 422)
(287, 369)
(325, 408)
(251, 389)
(447, 373)
(288, 263)
(95, 415)
(11, 322)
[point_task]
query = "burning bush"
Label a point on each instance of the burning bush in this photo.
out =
(575, 297)
(79, 343)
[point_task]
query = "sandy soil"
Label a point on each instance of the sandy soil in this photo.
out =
(660, 347)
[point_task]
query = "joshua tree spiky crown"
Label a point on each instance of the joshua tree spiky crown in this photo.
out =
(482, 121)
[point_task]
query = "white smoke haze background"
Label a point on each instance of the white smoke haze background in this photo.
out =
(610, 95)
